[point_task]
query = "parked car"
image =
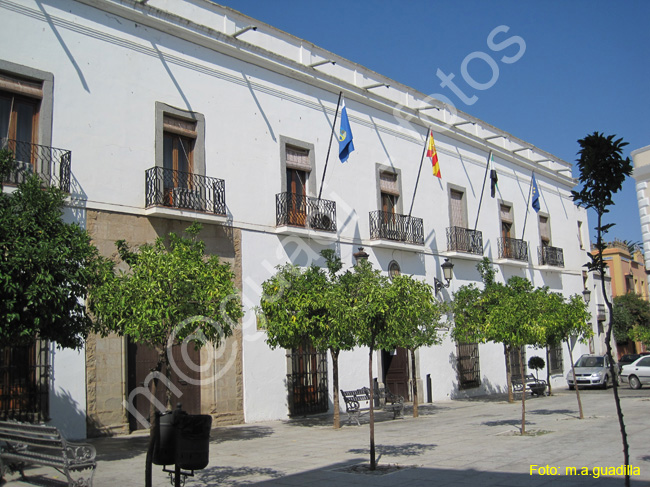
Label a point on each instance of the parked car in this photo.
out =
(591, 370)
(629, 358)
(637, 373)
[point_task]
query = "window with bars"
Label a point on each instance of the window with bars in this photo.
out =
(24, 382)
(556, 365)
(307, 380)
(469, 370)
(515, 363)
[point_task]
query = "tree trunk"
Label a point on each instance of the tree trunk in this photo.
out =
(415, 385)
(335, 381)
(506, 351)
(548, 372)
(575, 382)
(153, 429)
(523, 393)
(373, 463)
(608, 343)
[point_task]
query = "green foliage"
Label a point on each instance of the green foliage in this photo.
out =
(602, 173)
(414, 312)
(169, 293)
(631, 318)
(47, 267)
(536, 363)
(515, 313)
(7, 164)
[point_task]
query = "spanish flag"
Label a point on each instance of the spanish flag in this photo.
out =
(433, 155)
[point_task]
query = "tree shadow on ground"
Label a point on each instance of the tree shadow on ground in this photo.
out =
(407, 449)
(424, 409)
(239, 433)
(549, 412)
(235, 475)
(110, 449)
(506, 422)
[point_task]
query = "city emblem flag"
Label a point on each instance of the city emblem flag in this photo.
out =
(494, 179)
(433, 155)
(535, 195)
(346, 146)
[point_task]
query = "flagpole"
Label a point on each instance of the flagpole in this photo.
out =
(417, 180)
(329, 147)
(527, 205)
(480, 201)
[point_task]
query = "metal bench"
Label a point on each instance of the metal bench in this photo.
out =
(359, 400)
(24, 444)
(537, 387)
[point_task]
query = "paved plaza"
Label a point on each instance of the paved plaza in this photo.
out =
(455, 443)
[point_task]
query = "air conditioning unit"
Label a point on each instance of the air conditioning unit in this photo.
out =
(187, 199)
(320, 221)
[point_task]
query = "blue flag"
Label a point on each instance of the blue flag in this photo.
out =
(535, 195)
(346, 146)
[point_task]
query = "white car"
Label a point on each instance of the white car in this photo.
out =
(637, 373)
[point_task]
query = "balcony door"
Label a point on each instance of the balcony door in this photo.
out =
(178, 148)
(297, 197)
(507, 231)
(18, 127)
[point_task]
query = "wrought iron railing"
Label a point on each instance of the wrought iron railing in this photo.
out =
(464, 240)
(513, 248)
(24, 382)
(393, 226)
(52, 165)
(185, 191)
(552, 256)
(305, 211)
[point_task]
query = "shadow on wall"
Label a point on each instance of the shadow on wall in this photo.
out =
(67, 416)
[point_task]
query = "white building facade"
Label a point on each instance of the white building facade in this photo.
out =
(174, 111)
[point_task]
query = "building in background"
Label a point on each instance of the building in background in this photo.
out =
(183, 111)
(641, 174)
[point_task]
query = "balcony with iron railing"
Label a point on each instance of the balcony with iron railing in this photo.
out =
(180, 190)
(296, 210)
(52, 165)
(461, 239)
(550, 256)
(513, 249)
(399, 228)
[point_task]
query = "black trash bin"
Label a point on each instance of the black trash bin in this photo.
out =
(193, 441)
(164, 450)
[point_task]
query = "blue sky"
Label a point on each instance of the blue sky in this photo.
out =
(586, 66)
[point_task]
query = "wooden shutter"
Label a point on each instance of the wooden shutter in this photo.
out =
(388, 183)
(297, 159)
(457, 210)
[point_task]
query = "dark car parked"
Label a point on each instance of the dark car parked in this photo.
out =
(629, 358)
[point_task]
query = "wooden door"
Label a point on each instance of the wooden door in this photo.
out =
(296, 197)
(396, 371)
(142, 359)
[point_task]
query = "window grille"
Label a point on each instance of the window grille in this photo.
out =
(469, 371)
(24, 382)
(307, 380)
(556, 365)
